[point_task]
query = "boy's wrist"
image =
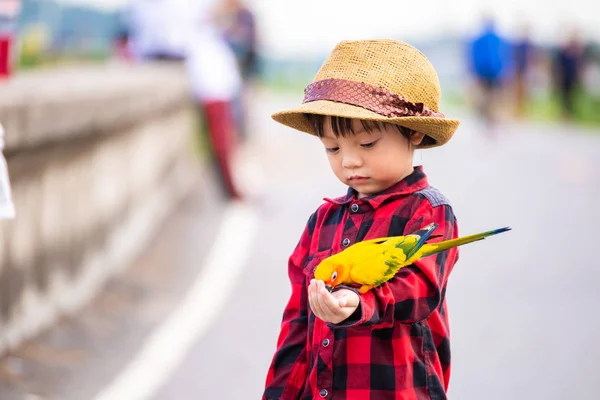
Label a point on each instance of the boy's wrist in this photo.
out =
(352, 320)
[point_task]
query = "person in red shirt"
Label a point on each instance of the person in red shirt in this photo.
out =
(372, 103)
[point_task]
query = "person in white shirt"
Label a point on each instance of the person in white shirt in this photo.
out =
(7, 208)
(216, 82)
(185, 29)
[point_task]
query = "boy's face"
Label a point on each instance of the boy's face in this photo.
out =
(370, 162)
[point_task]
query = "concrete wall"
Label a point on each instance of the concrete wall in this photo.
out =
(97, 157)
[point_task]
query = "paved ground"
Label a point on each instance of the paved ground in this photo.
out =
(522, 304)
(81, 355)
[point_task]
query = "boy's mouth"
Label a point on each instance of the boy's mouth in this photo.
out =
(357, 179)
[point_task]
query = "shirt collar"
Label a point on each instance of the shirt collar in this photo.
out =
(414, 182)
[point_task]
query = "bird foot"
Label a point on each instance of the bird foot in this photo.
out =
(365, 288)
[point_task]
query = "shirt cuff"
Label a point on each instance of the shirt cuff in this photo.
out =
(356, 316)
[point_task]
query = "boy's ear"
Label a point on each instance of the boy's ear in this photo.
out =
(416, 138)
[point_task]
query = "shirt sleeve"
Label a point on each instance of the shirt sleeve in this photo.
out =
(418, 289)
(288, 371)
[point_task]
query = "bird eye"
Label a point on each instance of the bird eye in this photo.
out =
(334, 276)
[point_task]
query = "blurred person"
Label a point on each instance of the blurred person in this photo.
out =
(568, 65)
(9, 11)
(157, 29)
(7, 208)
(371, 104)
(185, 30)
(239, 30)
(215, 81)
(523, 61)
(238, 25)
(591, 74)
(489, 57)
(121, 45)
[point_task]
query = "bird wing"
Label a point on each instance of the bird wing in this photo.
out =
(378, 260)
(377, 269)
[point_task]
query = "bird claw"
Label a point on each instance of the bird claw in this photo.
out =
(342, 286)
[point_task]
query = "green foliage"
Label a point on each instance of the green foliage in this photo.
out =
(548, 108)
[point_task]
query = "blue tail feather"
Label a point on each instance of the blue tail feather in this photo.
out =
(424, 234)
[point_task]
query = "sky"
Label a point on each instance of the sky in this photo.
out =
(307, 25)
(303, 27)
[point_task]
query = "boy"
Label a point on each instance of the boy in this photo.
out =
(371, 104)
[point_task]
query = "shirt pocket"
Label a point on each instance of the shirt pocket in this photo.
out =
(313, 261)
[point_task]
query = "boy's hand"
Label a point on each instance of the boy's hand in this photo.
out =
(331, 307)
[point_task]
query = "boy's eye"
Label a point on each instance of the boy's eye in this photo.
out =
(368, 145)
(332, 149)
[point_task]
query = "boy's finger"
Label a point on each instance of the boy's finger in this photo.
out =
(316, 304)
(323, 308)
(311, 296)
(352, 299)
(328, 301)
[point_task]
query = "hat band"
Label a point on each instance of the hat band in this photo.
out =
(372, 98)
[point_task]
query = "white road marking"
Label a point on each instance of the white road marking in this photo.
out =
(166, 347)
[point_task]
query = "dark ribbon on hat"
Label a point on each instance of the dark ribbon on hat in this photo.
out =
(372, 98)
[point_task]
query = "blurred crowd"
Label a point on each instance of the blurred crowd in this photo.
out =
(509, 72)
(216, 41)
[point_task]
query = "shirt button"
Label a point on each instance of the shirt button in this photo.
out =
(323, 393)
(325, 342)
(354, 207)
(346, 242)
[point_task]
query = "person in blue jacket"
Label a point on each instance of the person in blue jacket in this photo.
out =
(489, 55)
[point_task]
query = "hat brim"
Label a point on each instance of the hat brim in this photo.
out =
(439, 129)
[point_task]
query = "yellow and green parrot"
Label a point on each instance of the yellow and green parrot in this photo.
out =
(373, 262)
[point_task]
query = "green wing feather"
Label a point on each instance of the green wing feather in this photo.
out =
(390, 254)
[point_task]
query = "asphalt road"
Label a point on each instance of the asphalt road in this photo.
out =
(523, 306)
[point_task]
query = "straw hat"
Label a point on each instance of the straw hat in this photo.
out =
(381, 80)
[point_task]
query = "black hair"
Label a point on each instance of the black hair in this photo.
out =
(342, 126)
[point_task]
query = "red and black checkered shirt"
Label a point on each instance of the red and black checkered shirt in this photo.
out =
(396, 345)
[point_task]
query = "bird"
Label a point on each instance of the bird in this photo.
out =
(371, 263)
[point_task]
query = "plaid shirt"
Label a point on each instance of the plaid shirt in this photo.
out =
(396, 345)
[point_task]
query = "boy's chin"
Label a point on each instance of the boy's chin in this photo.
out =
(366, 190)
(371, 189)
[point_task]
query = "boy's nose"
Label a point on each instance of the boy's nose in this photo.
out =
(351, 161)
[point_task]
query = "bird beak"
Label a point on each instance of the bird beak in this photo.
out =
(329, 288)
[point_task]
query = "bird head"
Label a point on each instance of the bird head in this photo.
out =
(331, 272)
